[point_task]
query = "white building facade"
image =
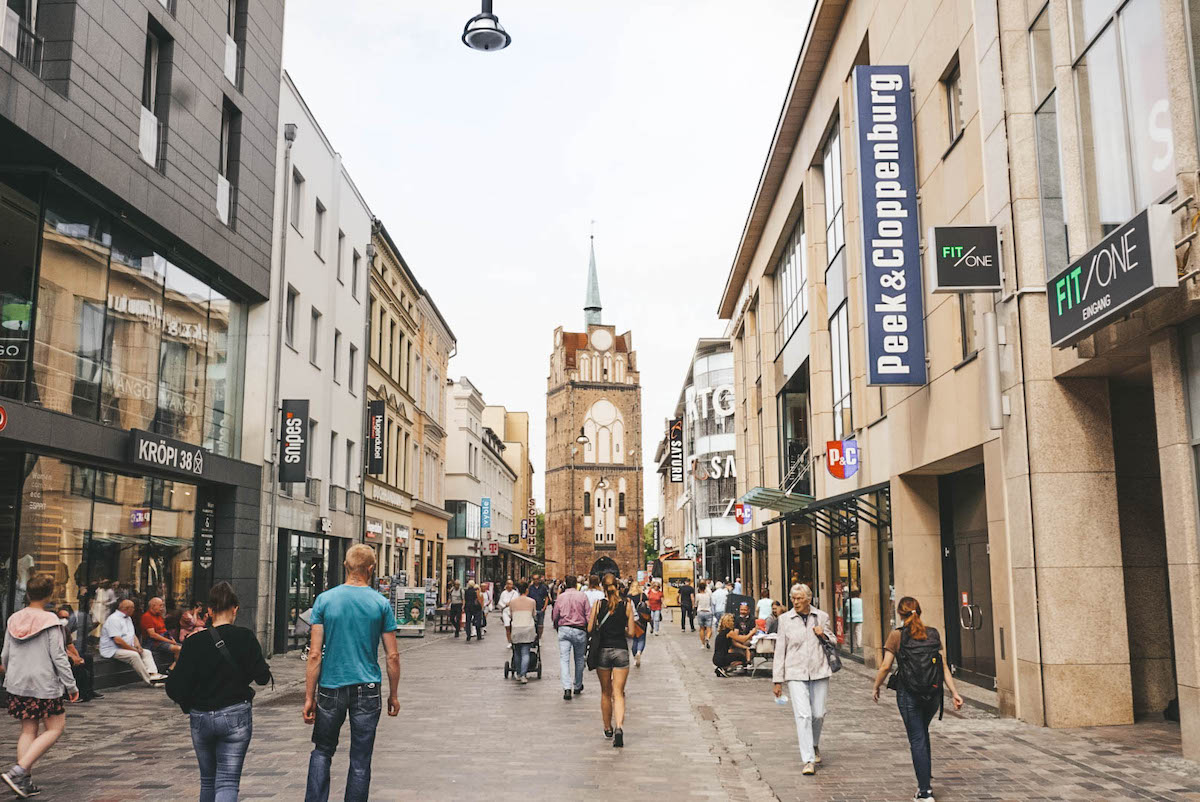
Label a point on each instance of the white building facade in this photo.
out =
(310, 335)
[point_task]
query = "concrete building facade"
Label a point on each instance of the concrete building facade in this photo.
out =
(594, 487)
(1037, 493)
(519, 547)
(314, 325)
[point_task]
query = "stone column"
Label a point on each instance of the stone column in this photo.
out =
(917, 545)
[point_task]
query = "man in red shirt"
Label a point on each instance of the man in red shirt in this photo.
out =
(155, 627)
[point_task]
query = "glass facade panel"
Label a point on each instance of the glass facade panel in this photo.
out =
(223, 382)
(19, 213)
(54, 522)
(1150, 133)
(169, 552)
(182, 360)
(132, 331)
(843, 424)
(791, 285)
(69, 327)
(1105, 146)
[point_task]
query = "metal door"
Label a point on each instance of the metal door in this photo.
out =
(966, 576)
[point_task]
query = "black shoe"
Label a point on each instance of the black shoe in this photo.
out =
(566, 696)
(456, 634)
(579, 690)
(608, 733)
(618, 738)
(94, 695)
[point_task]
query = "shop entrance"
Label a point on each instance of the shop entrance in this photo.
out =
(966, 576)
(304, 573)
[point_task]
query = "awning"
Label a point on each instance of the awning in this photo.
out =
(771, 498)
(755, 539)
(839, 515)
(526, 558)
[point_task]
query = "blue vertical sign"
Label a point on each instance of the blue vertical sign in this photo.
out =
(887, 175)
(485, 513)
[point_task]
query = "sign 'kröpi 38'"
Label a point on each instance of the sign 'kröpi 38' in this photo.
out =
(1114, 278)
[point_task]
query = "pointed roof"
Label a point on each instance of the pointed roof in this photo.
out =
(591, 306)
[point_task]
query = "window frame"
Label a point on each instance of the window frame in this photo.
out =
(319, 211)
(296, 200)
(314, 337)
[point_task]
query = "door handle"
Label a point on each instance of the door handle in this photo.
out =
(977, 617)
(965, 617)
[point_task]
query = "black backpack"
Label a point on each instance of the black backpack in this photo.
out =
(919, 665)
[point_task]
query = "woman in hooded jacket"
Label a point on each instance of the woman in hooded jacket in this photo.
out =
(37, 676)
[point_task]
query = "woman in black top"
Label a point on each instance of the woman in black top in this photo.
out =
(612, 621)
(211, 682)
(731, 648)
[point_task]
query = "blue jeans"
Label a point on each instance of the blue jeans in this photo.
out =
(364, 703)
(655, 620)
(520, 658)
(221, 738)
(637, 645)
(917, 712)
(571, 641)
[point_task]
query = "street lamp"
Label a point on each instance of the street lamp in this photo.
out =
(484, 31)
(581, 440)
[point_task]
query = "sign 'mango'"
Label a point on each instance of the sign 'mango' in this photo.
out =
(895, 318)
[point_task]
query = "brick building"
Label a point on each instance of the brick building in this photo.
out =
(593, 448)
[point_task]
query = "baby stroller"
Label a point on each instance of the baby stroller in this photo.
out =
(535, 661)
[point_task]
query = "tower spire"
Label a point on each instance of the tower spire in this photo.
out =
(591, 306)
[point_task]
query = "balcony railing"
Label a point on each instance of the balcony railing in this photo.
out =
(20, 41)
(799, 467)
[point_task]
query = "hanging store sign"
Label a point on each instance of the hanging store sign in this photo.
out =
(657, 535)
(524, 528)
(293, 441)
(162, 453)
(3, 419)
(1120, 274)
(514, 540)
(841, 457)
(531, 525)
(964, 258)
(375, 437)
(675, 434)
(895, 319)
(485, 513)
(13, 349)
(491, 549)
(205, 527)
(743, 513)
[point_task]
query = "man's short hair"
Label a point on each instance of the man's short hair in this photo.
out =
(360, 559)
(569, 582)
(39, 587)
(522, 587)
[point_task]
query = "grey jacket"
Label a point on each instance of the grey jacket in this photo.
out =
(798, 652)
(35, 656)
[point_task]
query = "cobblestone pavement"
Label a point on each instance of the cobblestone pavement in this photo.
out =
(689, 735)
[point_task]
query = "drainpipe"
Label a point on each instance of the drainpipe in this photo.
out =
(362, 484)
(289, 136)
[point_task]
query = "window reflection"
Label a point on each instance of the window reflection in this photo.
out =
(18, 250)
(182, 356)
(135, 308)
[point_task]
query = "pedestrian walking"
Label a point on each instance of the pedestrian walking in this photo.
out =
(37, 677)
(687, 605)
(82, 667)
(570, 619)
(920, 660)
(737, 586)
(522, 630)
(641, 607)
(800, 662)
(704, 613)
(456, 608)
(540, 593)
(654, 596)
(473, 604)
(719, 596)
(211, 683)
(593, 592)
(348, 622)
(508, 594)
(611, 622)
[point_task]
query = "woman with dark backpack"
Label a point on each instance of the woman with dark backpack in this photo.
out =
(921, 671)
(211, 682)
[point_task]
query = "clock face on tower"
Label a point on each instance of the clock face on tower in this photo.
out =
(602, 340)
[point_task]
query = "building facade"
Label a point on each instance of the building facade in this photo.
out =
(1036, 491)
(136, 214)
(594, 488)
(518, 548)
(309, 339)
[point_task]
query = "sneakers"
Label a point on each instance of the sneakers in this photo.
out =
(809, 768)
(157, 677)
(618, 738)
(579, 690)
(816, 752)
(720, 672)
(524, 681)
(637, 661)
(22, 786)
(566, 696)
(923, 796)
(304, 654)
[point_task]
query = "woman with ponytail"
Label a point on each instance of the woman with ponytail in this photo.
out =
(921, 675)
(610, 624)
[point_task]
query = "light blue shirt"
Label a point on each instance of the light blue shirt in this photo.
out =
(354, 618)
(718, 600)
(116, 625)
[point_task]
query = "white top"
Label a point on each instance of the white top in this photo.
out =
(718, 599)
(594, 595)
(505, 597)
(118, 625)
(763, 609)
(704, 602)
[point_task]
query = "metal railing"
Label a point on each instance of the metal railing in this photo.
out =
(797, 471)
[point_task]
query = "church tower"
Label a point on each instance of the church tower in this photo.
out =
(593, 447)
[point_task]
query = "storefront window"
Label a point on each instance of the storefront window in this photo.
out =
(847, 583)
(69, 327)
(19, 211)
(796, 454)
(132, 332)
(172, 533)
(801, 557)
(54, 522)
(308, 576)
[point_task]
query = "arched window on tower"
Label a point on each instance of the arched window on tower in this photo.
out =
(605, 430)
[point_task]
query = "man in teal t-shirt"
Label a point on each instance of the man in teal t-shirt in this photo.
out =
(343, 676)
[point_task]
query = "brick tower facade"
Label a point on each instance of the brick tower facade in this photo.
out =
(594, 483)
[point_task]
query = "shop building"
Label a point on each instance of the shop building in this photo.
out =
(593, 448)
(517, 551)
(309, 340)
(479, 485)
(136, 238)
(1031, 481)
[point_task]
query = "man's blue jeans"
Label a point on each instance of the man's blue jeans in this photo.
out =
(221, 738)
(364, 703)
(571, 641)
(917, 712)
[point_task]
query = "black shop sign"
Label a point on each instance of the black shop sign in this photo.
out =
(293, 441)
(375, 437)
(676, 450)
(964, 258)
(206, 519)
(150, 450)
(1123, 272)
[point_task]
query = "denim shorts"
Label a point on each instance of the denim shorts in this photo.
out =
(704, 620)
(613, 658)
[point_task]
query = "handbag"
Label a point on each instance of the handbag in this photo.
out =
(592, 656)
(831, 655)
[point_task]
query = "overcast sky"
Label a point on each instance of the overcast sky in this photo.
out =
(651, 117)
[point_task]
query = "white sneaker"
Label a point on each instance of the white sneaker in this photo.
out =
(157, 677)
(524, 681)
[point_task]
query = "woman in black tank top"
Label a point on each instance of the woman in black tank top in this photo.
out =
(611, 622)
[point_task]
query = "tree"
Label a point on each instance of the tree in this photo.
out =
(541, 536)
(648, 540)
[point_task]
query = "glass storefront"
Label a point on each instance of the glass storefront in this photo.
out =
(801, 558)
(121, 334)
(103, 536)
(847, 583)
(309, 563)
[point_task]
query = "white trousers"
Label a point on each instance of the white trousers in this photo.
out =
(142, 663)
(808, 707)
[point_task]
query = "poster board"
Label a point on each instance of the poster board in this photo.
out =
(431, 594)
(674, 572)
(408, 604)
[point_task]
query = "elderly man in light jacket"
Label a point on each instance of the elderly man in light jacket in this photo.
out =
(800, 662)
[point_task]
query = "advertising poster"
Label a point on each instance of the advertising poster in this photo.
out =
(673, 574)
(409, 607)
